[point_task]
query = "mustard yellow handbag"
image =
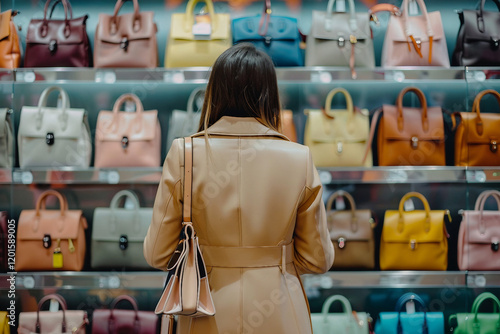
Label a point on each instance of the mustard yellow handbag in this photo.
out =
(414, 240)
(4, 323)
(197, 41)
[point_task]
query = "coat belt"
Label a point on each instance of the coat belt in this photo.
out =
(248, 257)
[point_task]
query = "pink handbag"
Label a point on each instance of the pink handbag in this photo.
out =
(415, 40)
(128, 139)
(479, 236)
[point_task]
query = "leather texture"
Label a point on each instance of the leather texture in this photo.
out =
(4, 239)
(401, 30)
(126, 40)
(241, 207)
(410, 136)
(477, 136)
(64, 228)
(478, 38)
(288, 125)
(185, 50)
(115, 321)
(54, 137)
(339, 323)
(414, 240)
(338, 138)
(10, 47)
(118, 234)
(4, 323)
(475, 322)
(479, 235)
(351, 232)
(58, 42)
(64, 321)
(128, 139)
(6, 139)
(184, 123)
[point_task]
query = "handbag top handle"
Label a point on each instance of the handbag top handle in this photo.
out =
(487, 194)
(480, 14)
(66, 18)
(192, 99)
(484, 196)
(408, 34)
(477, 303)
(401, 303)
(40, 203)
(190, 14)
(352, 11)
(133, 302)
(352, 204)
(426, 208)
(265, 18)
(62, 304)
(125, 193)
(118, 6)
(54, 5)
(476, 107)
(42, 103)
(423, 106)
(116, 110)
(346, 306)
(348, 100)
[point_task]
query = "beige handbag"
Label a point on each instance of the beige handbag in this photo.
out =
(128, 139)
(6, 139)
(185, 49)
(54, 137)
(118, 234)
(127, 40)
(415, 40)
(338, 138)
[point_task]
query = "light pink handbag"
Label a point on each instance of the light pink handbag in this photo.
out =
(128, 139)
(479, 236)
(415, 40)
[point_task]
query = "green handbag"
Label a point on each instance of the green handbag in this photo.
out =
(478, 323)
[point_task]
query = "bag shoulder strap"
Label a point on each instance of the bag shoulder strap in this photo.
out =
(188, 179)
(373, 125)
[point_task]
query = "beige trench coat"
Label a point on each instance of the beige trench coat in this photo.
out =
(256, 205)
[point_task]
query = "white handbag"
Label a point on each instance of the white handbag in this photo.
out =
(347, 322)
(6, 140)
(54, 136)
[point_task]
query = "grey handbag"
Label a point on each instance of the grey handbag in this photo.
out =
(54, 136)
(340, 39)
(185, 123)
(118, 234)
(6, 139)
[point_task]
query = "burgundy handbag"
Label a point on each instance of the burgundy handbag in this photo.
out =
(115, 321)
(3, 241)
(58, 43)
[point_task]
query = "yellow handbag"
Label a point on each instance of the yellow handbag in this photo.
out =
(338, 138)
(414, 240)
(185, 49)
(4, 323)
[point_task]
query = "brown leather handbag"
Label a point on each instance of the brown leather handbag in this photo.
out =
(351, 232)
(478, 136)
(51, 239)
(127, 40)
(10, 48)
(58, 43)
(408, 136)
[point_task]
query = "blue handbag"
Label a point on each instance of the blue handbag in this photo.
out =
(278, 36)
(415, 323)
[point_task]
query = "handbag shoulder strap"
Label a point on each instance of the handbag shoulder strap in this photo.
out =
(383, 7)
(373, 126)
(188, 180)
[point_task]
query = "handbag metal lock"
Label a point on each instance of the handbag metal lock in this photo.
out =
(413, 244)
(414, 143)
(493, 146)
(341, 42)
(52, 46)
(495, 43)
(47, 241)
(125, 142)
(124, 43)
(341, 242)
(340, 147)
(267, 40)
(50, 138)
(494, 246)
(123, 242)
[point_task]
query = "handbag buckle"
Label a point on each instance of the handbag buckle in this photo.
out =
(50, 138)
(125, 142)
(353, 39)
(47, 241)
(414, 143)
(495, 43)
(341, 42)
(52, 46)
(267, 40)
(340, 147)
(124, 44)
(494, 246)
(341, 242)
(413, 244)
(493, 146)
(123, 242)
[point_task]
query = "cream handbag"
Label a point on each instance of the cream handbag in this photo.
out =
(185, 49)
(6, 140)
(54, 136)
(338, 138)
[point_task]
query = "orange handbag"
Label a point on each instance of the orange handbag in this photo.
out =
(10, 48)
(288, 126)
(51, 239)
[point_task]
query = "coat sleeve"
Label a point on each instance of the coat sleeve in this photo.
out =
(164, 231)
(313, 248)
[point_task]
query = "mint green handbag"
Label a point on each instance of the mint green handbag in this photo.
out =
(478, 323)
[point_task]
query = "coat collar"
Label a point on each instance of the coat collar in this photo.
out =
(240, 127)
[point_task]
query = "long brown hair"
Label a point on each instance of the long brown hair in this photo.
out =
(243, 83)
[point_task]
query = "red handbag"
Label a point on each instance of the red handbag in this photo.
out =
(115, 321)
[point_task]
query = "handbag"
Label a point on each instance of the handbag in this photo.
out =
(346, 322)
(186, 48)
(186, 268)
(478, 39)
(4, 323)
(423, 36)
(114, 321)
(288, 126)
(58, 43)
(128, 139)
(351, 232)
(10, 47)
(338, 138)
(409, 136)
(54, 136)
(340, 39)
(410, 323)
(64, 321)
(6, 138)
(414, 240)
(127, 40)
(278, 36)
(477, 137)
(118, 234)
(4, 241)
(51, 239)
(185, 123)
(479, 235)
(475, 322)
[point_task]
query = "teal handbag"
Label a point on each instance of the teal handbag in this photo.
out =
(478, 323)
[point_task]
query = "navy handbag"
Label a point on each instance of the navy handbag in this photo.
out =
(278, 36)
(415, 323)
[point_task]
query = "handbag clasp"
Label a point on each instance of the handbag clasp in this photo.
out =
(50, 138)
(341, 42)
(414, 143)
(341, 242)
(495, 43)
(413, 244)
(47, 241)
(123, 242)
(494, 246)
(340, 147)
(267, 40)
(53, 46)
(125, 142)
(124, 44)
(493, 146)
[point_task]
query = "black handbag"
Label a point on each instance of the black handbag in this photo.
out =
(478, 41)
